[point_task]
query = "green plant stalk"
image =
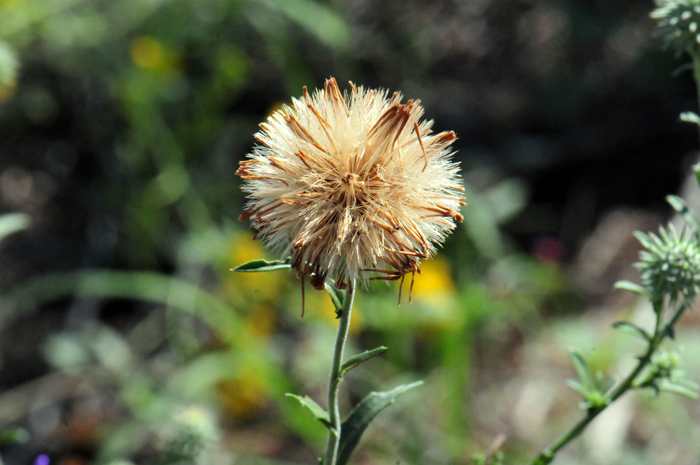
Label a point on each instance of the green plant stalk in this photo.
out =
(334, 381)
(660, 332)
(696, 75)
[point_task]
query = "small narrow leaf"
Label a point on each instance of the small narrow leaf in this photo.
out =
(319, 413)
(576, 386)
(581, 369)
(631, 329)
(264, 265)
(337, 296)
(689, 389)
(632, 287)
(355, 360)
(362, 415)
(12, 222)
(690, 117)
(696, 168)
(681, 207)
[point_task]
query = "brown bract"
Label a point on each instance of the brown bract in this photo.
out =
(352, 187)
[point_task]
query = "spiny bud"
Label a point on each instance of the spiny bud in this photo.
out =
(679, 24)
(670, 265)
(192, 431)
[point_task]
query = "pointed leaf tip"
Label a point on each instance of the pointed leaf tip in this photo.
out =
(362, 415)
(260, 265)
(581, 368)
(631, 329)
(631, 287)
(337, 296)
(318, 412)
(355, 360)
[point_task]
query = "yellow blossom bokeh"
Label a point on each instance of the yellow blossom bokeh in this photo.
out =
(150, 54)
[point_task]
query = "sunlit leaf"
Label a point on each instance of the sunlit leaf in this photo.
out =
(684, 388)
(260, 264)
(632, 287)
(355, 360)
(690, 117)
(12, 222)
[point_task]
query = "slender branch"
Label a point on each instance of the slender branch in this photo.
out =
(334, 381)
(660, 332)
(696, 75)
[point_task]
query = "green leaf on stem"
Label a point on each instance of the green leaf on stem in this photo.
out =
(631, 329)
(581, 368)
(632, 287)
(319, 413)
(681, 207)
(337, 296)
(260, 264)
(362, 415)
(355, 360)
(683, 387)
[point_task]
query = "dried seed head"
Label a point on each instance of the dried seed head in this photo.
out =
(352, 187)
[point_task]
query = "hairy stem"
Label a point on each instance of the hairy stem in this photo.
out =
(660, 332)
(334, 381)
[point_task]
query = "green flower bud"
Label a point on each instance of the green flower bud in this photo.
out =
(679, 24)
(670, 265)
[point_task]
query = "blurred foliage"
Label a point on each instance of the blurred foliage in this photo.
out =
(126, 338)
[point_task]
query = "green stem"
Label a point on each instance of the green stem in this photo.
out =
(334, 381)
(660, 332)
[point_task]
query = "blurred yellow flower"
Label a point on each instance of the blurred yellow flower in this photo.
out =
(261, 321)
(149, 53)
(436, 280)
(244, 396)
(319, 306)
(7, 91)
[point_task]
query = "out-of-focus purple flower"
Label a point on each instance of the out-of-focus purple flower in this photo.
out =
(43, 459)
(549, 250)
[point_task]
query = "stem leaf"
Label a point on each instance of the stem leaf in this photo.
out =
(337, 296)
(362, 415)
(631, 329)
(687, 389)
(355, 360)
(581, 369)
(319, 413)
(681, 207)
(632, 287)
(264, 265)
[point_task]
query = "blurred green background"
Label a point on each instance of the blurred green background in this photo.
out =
(125, 337)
